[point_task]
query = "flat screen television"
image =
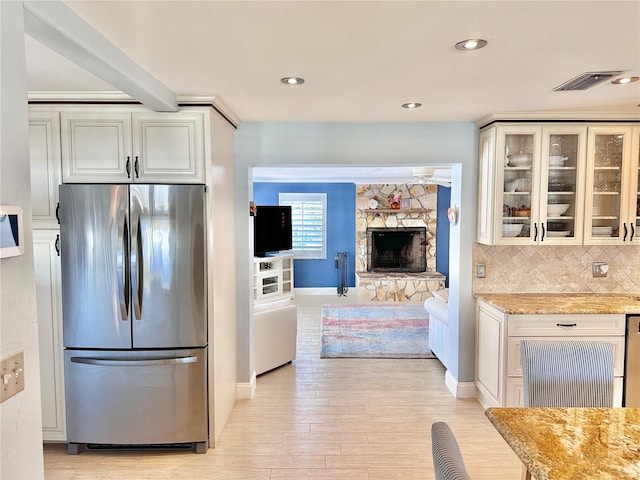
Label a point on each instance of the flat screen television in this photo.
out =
(271, 229)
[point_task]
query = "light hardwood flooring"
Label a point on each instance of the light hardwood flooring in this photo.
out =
(347, 419)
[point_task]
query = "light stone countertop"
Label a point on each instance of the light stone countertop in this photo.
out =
(563, 303)
(573, 443)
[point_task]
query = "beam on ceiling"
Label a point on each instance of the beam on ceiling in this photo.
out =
(58, 27)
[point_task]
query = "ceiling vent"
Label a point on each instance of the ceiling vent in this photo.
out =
(587, 80)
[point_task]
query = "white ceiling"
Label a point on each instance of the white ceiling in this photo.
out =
(362, 59)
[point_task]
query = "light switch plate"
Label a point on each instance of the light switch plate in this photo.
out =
(11, 375)
(481, 270)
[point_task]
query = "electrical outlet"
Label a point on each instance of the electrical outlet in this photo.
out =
(481, 270)
(599, 269)
(12, 375)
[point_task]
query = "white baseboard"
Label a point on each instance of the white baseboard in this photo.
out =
(323, 291)
(246, 391)
(459, 389)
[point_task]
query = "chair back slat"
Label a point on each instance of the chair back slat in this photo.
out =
(565, 373)
(447, 459)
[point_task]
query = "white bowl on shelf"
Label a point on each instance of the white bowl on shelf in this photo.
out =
(557, 160)
(558, 233)
(520, 160)
(601, 231)
(511, 229)
(557, 209)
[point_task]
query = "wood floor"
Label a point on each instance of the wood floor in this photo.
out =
(347, 419)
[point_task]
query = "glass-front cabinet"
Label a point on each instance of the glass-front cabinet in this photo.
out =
(559, 184)
(612, 200)
(563, 163)
(539, 184)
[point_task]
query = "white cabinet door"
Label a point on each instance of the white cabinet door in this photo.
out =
(168, 147)
(612, 186)
(49, 304)
(562, 184)
(96, 146)
(633, 199)
(486, 185)
(518, 176)
(490, 350)
(46, 174)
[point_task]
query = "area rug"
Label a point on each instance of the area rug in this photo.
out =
(385, 330)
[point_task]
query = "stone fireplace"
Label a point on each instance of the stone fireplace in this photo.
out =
(396, 249)
(397, 273)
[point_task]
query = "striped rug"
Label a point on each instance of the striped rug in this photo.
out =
(384, 330)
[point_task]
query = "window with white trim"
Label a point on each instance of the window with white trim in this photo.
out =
(308, 222)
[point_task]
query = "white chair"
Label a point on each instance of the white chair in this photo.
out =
(447, 459)
(567, 373)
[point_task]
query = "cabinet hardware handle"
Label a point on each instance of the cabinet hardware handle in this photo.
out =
(135, 166)
(128, 166)
(132, 362)
(566, 324)
(58, 212)
(633, 231)
(625, 231)
(57, 244)
(535, 236)
(543, 232)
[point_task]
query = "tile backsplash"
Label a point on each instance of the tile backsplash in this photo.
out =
(559, 269)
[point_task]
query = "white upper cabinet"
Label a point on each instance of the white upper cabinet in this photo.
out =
(46, 174)
(612, 200)
(102, 145)
(531, 185)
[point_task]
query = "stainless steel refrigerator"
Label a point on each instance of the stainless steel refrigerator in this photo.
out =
(134, 315)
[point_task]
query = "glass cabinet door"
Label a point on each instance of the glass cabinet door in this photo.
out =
(518, 147)
(608, 185)
(561, 204)
(633, 214)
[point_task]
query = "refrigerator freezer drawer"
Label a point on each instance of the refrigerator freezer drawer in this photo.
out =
(136, 397)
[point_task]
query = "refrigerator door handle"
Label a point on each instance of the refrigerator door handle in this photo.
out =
(109, 362)
(122, 256)
(136, 267)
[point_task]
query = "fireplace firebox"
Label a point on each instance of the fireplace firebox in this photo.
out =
(397, 249)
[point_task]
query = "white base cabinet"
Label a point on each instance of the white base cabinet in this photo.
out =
(498, 375)
(49, 305)
(275, 313)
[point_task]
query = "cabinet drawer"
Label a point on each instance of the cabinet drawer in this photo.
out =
(565, 325)
(514, 368)
(515, 392)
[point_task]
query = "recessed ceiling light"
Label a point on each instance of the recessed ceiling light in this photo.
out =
(411, 105)
(292, 80)
(624, 80)
(471, 44)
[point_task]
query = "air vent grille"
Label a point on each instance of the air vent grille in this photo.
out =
(587, 80)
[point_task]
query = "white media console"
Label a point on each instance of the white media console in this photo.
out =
(275, 313)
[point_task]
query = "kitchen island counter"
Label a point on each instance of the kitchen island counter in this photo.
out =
(562, 303)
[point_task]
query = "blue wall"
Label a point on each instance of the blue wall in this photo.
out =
(341, 230)
(442, 232)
